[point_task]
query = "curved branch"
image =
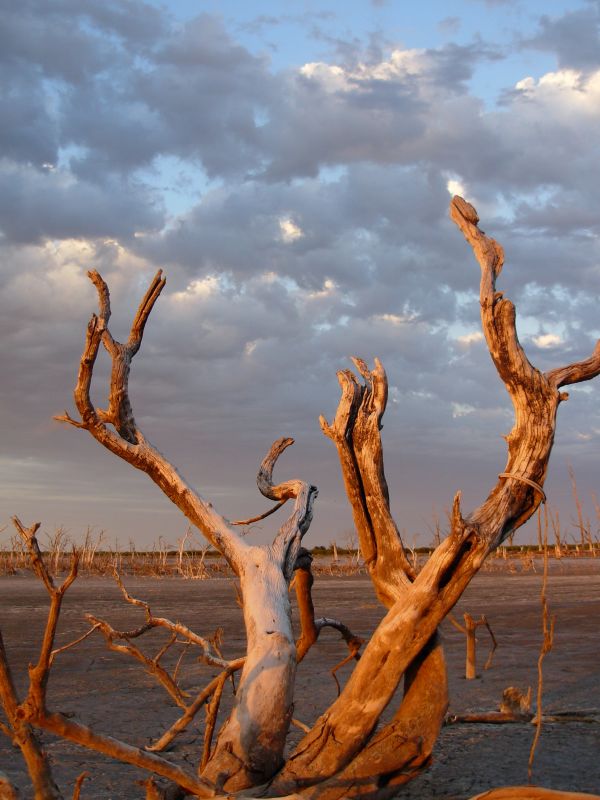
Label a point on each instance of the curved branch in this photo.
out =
(287, 542)
(264, 515)
(578, 372)
(127, 440)
(535, 398)
(264, 479)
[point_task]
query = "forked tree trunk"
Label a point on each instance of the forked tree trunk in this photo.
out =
(344, 755)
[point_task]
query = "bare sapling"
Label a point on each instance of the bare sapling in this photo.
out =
(548, 621)
(469, 629)
(346, 752)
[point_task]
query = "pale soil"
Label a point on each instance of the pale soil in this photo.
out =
(114, 695)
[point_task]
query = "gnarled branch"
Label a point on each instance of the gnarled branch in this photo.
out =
(339, 734)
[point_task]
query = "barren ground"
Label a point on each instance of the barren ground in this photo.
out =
(114, 695)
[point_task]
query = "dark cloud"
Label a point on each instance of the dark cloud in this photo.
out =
(45, 204)
(574, 37)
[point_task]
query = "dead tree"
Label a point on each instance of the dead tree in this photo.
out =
(469, 629)
(344, 754)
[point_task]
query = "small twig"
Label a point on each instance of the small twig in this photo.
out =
(186, 646)
(301, 725)
(456, 623)
(151, 664)
(62, 649)
(494, 644)
(78, 784)
(133, 600)
(260, 516)
(165, 648)
(333, 670)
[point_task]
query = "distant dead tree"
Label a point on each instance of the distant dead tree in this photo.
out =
(469, 629)
(345, 753)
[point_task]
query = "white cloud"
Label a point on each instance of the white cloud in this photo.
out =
(546, 341)
(201, 288)
(396, 319)
(470, 338)
(462, 410)
(565, 89)
(455, 186)
(327, 290)
(400, 64)
(289, 231)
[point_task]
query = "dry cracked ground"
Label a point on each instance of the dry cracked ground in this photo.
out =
(114, 695)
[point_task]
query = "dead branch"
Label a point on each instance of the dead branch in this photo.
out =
(86, 737)
(264, 515)
(191, 710)
(21, 733)
(78, 784)
(355, 432)
(310, 628)
(151, 665)
(212, 709)
(176, 628)
(32, 712)
(19, 714)
(127, 440)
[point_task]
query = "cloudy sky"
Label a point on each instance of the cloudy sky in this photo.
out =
(291, 173)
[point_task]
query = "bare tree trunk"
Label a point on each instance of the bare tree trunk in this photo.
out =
(470, 665)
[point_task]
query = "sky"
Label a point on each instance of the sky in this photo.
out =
(289, 167)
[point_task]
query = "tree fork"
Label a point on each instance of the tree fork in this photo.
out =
(345, 727)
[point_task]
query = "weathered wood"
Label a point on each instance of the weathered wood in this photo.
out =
(250, 746)
(342, 755)
(342, 731)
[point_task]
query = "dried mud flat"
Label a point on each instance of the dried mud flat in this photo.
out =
(113, 694)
